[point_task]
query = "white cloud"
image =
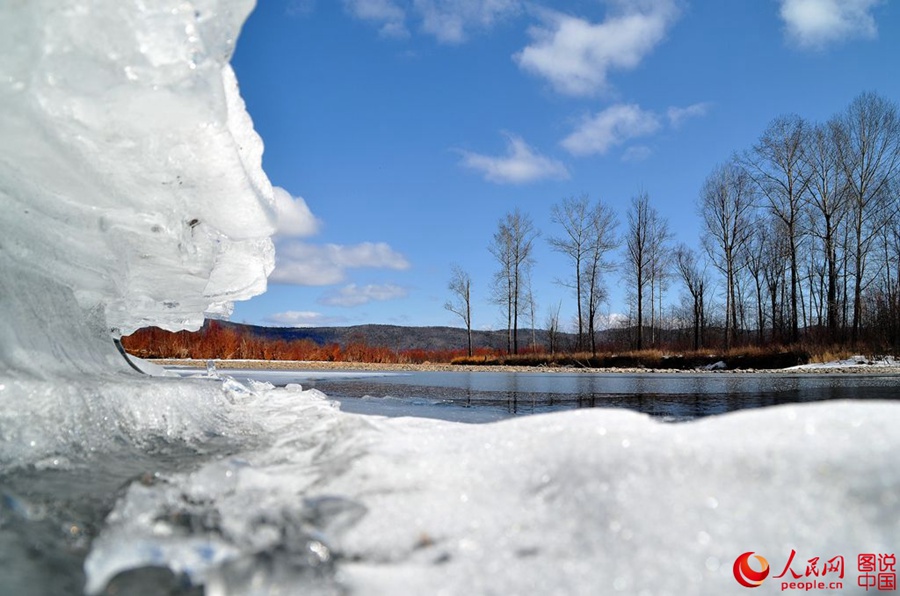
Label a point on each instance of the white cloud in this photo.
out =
(303, 318)
(449, 21)
(816, 23)
(677, 116)
(521, 164)
(354, 295)
(576, 55)
(306, 264)
(388, 14)
(294, 216)
(613, 126)
(300, 8)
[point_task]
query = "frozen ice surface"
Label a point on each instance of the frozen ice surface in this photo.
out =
(132, 193)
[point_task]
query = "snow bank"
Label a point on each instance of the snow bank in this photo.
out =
(130, 177)
(580, 502)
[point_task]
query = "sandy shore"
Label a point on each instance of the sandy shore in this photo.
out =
(873, 369)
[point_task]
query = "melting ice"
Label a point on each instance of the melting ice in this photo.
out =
(132, 194)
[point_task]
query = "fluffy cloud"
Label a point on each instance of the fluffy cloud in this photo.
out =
(521, 164)
(816, 23)
(389, 15)
(447, 20)
(294, 216)
(677, 116)
(576, 56)
(300, 8)
(306, 264)
(620, 123)
(613, 126)
(303, 318)
(354, 295)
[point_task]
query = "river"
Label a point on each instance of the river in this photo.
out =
(486, 396)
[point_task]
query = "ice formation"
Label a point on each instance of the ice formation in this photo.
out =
(131, 182)
(132, 193)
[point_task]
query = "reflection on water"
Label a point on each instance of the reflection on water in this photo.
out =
(682, 396)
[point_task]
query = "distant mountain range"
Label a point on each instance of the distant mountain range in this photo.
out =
(398, 337)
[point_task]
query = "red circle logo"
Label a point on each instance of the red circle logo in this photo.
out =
(746, 575)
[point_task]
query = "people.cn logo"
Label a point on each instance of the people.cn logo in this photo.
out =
(746, 575)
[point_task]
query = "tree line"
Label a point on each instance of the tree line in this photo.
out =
(800, 242)
(215, 340)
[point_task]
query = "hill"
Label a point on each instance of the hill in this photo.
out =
(396, 337)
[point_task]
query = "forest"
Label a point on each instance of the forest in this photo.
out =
(799, 254)
(800, 246)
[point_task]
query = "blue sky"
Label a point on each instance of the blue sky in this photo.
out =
(399, 132)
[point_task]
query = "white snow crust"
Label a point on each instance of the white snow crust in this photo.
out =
(132, 193)
(580, 502)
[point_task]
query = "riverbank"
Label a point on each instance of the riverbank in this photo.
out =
(856, 365)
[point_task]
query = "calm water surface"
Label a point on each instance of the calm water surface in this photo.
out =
(496, 395)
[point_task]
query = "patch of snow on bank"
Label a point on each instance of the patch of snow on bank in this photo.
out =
(854, 362)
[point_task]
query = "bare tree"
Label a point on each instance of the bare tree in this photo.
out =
(777, 167)
(646, 234)
(572, 215)
(660, 269)
(754, 258)
(726, 206)
(461, 301)
(603, 225)
(552, 324)
(588, 234)
(828, 204)
(512, 247)
(695, 280)
(868, 153)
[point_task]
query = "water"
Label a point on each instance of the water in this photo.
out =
(50, 516)
(488, 396)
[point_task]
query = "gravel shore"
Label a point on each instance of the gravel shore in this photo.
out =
(873, 369)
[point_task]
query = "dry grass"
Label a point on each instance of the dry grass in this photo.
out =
(749, 357)
(822, 354)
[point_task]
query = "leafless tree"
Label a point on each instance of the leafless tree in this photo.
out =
(754, 258)
(774, 268)
(552, 324)
(460, 303)
(512, 247)
(695, 280)
(588, 234)
(868, 154)
(777, 167)
(828, 205)
(646, 234)
(660, 270)
(603, 225)
(726, 206)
